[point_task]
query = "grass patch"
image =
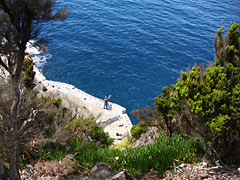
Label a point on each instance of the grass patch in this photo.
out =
(125, 143)
(138, 160)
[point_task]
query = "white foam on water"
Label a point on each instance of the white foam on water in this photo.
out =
(36, 55)
(39, 60)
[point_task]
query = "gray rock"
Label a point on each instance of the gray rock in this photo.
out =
(147, 138)
(44, 89)
(101, 171)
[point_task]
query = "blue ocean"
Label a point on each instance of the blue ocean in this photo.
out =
(132, 48)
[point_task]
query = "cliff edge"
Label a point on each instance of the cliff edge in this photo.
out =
(115, 120)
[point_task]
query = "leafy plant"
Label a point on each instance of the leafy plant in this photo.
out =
(136, 131)
(89, 127)
(141, 160)
(28, 72)
(205, 102)
(57, 101)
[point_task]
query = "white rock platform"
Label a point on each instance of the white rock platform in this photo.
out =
(115, 120)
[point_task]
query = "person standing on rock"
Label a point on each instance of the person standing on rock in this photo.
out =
(106, 102)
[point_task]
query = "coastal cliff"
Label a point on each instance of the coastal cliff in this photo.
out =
(115, 120)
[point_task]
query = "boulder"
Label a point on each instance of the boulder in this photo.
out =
(101, 171)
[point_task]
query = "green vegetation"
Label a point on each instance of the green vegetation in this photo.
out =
(125, 143)
(141, 160)
(57, 102)
(139, 129)
(28, 72)
(81, 127)
(85, 140)
(164, 153)
(205, 102)
(63, 138)
(20, 22)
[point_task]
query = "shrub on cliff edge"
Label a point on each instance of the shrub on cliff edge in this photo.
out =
(205, 102)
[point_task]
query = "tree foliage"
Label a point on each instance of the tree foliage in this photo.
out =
(19, 23)
(36, 115)
(206, 102)
(29, 73)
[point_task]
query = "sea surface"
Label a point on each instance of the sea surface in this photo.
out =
(132, 48)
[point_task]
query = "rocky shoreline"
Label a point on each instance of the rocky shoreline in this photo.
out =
(115, 120)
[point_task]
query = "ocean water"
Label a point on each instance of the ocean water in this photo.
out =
(132, 48)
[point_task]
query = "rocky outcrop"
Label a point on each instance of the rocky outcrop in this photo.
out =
(115, 121)
(101, 171)
(147, 138)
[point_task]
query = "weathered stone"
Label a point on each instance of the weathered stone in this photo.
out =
(147, 138)
(101, 171)
(80, 103)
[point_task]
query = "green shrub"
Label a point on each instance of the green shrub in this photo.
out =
(141, 160)
(98, 134)
(137, 161)
(127, 142)
(57, 101)
(109, 140)
(52, 151)
(88, 126)
(220, 31)
(136, 131)
(64, 108)
(184, 76)
(219, 124)
(48, 151)
(28, 72)
(207, 98)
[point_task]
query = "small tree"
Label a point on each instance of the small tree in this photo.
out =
(19, 23)
(165, 107)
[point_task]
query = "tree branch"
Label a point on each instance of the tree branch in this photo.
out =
(122, 173)
(7, 10)
(29, 119)
(4, 65)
